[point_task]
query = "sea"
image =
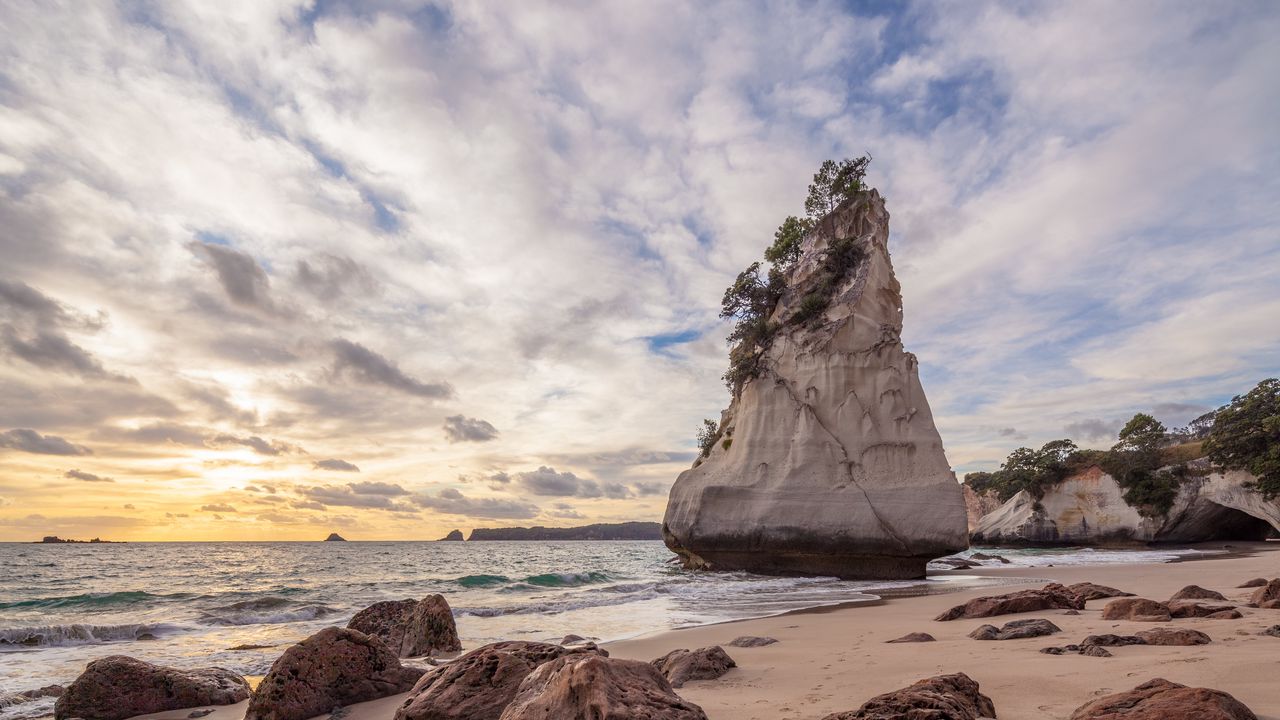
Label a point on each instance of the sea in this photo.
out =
(240, 604)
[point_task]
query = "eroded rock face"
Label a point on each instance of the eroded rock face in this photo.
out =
(1160, 699)
(334, 667)
(829, 462)
(946, 697)
(681, 666)
(1137, 609)
(480, 684)
(411, 628)
(592, 686)
(1089, 508)
(117, 687)
(1050, 597)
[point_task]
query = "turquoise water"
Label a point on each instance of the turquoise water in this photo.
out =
(189, 604)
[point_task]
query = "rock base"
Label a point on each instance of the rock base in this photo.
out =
(845, 567)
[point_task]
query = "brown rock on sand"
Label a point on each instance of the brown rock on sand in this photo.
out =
(945, 697)
(1050, 597)
(480, 684)
(1089, 591)
(1256, 582)
(117, 687)
(750, 641)
(1225, 615)
(1160, 699)
(1137, 609)
(591, 686)
(411, 628)
(1273, 631)
(681, 666)
(1195, 592)
(1265, 595)
(1191, 608)
(334, 667)
(1173, 636)
(914, 637)
(1016, 630)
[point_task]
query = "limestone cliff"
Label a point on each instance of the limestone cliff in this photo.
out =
(828, 461)
(1089, 509)
(979, 505)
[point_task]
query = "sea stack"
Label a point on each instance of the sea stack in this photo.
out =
(827, 461)
(335, 537)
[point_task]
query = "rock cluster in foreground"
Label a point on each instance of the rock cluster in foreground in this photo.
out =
(411, 628)
(117, 687)
(828, 460)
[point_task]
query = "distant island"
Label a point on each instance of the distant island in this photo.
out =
(453, 536)
(335, 537)
(55, 540)
(600, 531)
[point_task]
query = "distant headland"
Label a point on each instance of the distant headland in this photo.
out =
(599, 531)
(55, 540)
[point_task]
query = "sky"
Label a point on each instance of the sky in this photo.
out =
(274, 269)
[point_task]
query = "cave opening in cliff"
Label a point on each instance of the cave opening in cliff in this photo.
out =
(1231, 524)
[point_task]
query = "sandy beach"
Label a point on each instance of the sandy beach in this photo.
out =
(828, 661)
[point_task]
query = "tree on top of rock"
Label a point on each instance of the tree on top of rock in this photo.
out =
(1246, 436)
(834, 183)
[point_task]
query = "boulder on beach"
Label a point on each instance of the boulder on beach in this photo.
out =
(1256, 582)
(1086, 650)
(914, 637)
(1191, 608)
(335, 537)
(594, 686)
(1016, 630)
(1089, 591)
(1136, 609)
(1051, 597)
(480, 684)
(1160, 699)
(1110, 640)
(1232, 614)
(1173, 636)
(334, 667)
(117, 687)
(411, 628)
(945, 697)
(1273, 631)
(1267, 595)
(681, 666)
(1195, 592)
(827, 460)
(453, 536)
(750, 641)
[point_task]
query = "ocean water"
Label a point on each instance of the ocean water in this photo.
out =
(193, 604)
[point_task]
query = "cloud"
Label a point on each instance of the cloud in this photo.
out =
(562, 510)
(375, 496)
(244, 281)
(158, 433)
(28, 440)
(254, 443)
(328, 277)
(356, 361)
(85, 476)
(547, 482)
(335, 464)
(33, 328)
(452, 502)
(376, 488)
(218, 508)
(464, 429)
(1093, 430)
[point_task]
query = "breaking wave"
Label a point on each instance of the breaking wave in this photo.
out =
(78, 634)
(265, 611)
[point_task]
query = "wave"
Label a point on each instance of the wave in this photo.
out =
(78, 634)
(569, 579)
(265, 611)
(479, 581)
(92, 600)
(555, 607)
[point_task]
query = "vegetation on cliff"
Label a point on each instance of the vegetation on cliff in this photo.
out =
(1149, 461)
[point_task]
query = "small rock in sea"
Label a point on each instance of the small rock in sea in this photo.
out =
(1160, 699)
(583, 685)
(1195, 592)
(1016, 630)
(1273, 631)
(1256, 582)
(1173, 636)
(199, 713)
(570, 639)
(750, 641)
(681, 666)
(44, 692)
(146, 636)
(117, 687)
(1051, 597)
(916, 637)
(1136, 609)
(481, 683)
(335, 537)
(954, 697)
(250, 647)
(334, 667)
(984, 556)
